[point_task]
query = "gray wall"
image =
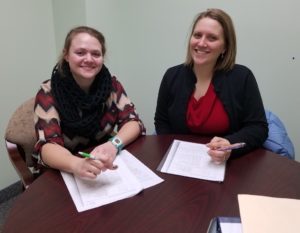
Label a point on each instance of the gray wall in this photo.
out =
(67, 14)
(27, 48)
(144, 38)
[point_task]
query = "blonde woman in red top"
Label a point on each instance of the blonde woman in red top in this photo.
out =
(211, 95)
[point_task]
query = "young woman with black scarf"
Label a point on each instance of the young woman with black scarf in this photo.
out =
(80, 106)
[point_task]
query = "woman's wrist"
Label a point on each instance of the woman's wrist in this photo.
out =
(117, 143)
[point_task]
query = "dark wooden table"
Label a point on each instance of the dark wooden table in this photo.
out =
(179, 204)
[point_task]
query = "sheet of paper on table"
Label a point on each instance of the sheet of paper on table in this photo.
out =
(131, 177)
(191, 160)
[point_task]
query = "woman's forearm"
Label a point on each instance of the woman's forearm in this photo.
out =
(58, 157)
(129, 132)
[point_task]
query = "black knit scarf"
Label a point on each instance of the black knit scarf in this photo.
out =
(80, 113)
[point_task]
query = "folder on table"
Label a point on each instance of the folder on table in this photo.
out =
(262, 214)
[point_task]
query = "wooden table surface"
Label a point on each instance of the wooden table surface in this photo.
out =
(178, 205)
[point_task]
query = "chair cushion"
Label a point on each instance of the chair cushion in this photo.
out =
(20, 129)
(278, 140)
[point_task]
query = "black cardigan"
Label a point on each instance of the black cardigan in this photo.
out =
(238, 91)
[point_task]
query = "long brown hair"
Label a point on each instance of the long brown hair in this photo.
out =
(72, 33)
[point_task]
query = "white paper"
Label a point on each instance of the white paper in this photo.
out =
(191, 160)
(130, 178)
(146, 177)
(226, 225)
(231, 227)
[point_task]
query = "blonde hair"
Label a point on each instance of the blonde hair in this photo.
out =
(226, 60)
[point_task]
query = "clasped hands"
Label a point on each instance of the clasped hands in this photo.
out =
(216, 155)
(104, 154)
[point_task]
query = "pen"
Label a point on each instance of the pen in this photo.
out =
(88, 155)
(232, 146)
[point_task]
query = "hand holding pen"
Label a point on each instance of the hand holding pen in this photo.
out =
(225, 152)
(232, 146)
(220, 149)
(90, 156)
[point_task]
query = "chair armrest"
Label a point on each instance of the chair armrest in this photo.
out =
(16, 159)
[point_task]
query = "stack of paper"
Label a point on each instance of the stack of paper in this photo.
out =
(191, 160)
(261, 214)
(130, 178)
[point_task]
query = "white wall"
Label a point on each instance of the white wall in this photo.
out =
(142, 42)
(27, 48)
(144, 38)
(67, 14)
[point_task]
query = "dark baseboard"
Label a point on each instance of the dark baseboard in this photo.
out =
(11, 191)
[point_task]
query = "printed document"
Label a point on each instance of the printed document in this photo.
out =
(191, 160)
(131, 177)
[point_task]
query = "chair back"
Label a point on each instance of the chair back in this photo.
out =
(278, 140)
(20, 138)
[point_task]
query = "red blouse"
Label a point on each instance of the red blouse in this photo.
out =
(207, 115)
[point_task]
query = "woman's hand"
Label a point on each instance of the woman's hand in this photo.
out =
(87, 168)
(106, 153)
(215, 154)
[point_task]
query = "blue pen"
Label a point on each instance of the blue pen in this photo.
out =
(232, 146)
